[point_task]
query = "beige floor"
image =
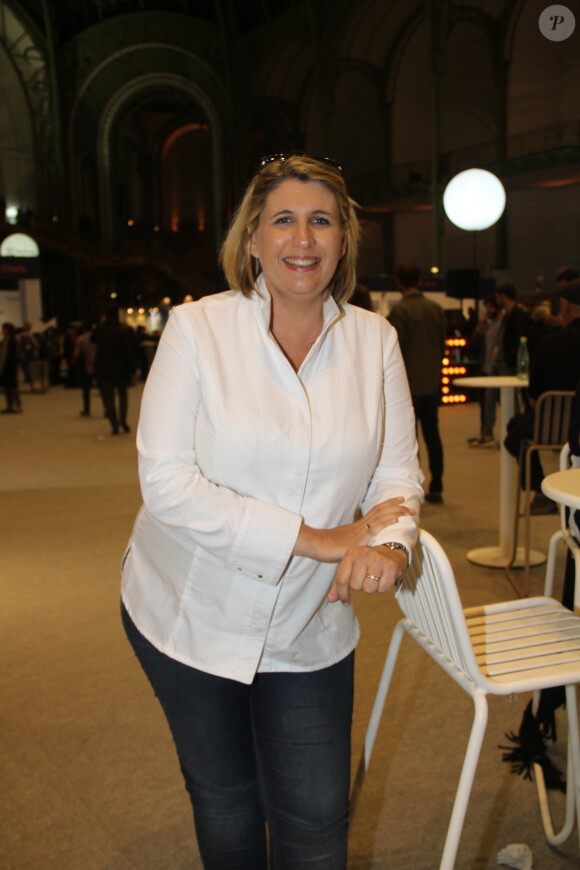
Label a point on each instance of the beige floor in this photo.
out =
(88, 775)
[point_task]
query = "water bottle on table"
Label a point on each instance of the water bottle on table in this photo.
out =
(523, 360)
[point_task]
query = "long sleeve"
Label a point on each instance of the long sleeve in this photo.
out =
(397, 472)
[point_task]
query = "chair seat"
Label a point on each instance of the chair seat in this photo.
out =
(508, 647)
(539, 642)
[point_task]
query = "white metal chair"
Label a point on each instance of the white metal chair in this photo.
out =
(562, 534)
(514, 646)
(551, 423)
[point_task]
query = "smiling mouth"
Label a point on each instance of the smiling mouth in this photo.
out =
(301, 261)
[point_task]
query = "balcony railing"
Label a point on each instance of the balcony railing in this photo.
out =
(414, 176)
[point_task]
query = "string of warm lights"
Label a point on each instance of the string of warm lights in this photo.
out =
(453, 400)
(448, 371)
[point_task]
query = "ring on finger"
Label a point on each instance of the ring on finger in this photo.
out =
(372, 577)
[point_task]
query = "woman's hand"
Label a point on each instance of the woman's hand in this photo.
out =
(367, 569)
(331, 545)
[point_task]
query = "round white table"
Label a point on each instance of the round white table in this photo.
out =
(501, 556)
(563, 487)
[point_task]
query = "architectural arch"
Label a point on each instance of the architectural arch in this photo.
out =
(543, 83)
(184, 185)
(25, 107)
(106, 82)
(107, 120)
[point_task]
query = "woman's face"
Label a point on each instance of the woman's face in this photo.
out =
(299, 239)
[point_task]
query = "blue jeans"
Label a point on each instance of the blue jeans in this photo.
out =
(276, 752)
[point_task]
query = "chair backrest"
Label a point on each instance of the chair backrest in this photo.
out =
(565, 458)
(552, 417)
(429, 599)
(564, 464)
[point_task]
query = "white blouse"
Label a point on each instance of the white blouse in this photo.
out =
(236, 449)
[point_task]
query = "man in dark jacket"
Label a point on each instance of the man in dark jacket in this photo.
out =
(555, 365)
(421, 327)
(114, 366)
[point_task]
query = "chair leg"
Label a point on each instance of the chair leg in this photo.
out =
(465, 781)
(551, 563)
(576, 556)
(572, 776)
(574, 747)
(376, 714)
(555, 839)
(516, 521)
(527, 521)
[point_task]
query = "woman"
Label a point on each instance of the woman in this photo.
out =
(271, 414)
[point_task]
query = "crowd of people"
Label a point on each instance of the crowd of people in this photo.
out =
(551, 329)
(106, 356)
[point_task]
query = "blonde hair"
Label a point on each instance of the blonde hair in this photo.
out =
(241, 269)
(541, 311)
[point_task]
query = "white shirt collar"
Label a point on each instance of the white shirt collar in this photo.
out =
(331, 311)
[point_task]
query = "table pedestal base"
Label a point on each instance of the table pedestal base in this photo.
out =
(495, 557)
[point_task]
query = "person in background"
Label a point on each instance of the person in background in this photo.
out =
(52, 351)
(279, 473)
(9, 370)
(555, 365)
(142, 342)
(85, 353)
(541, 325)
(28, 350)
(563, 278)
(114, 366)
(515, 323)
(484, 341)
(362, 297)
(72, 375)
(421, 327)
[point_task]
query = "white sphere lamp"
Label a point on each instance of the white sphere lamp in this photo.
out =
(474, 199)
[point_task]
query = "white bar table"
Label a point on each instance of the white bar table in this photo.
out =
(501, 556)
(563, 487)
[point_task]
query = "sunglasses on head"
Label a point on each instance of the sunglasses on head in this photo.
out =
(274, 158)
